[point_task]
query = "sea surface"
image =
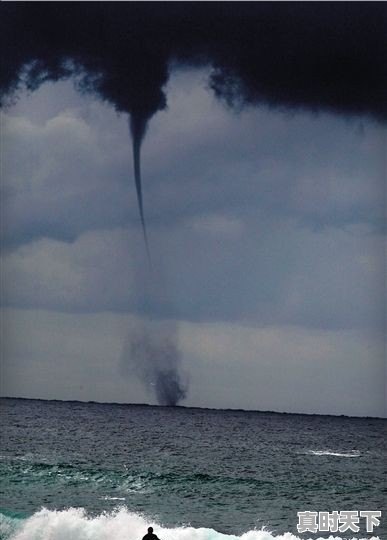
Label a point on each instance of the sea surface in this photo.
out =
(88, 471)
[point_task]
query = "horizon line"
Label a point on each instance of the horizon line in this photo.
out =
(220, 409)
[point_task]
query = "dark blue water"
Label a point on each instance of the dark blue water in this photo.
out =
(225, 471)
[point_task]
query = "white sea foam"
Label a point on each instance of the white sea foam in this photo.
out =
(108, 498)
(75, 524)
(350, 454)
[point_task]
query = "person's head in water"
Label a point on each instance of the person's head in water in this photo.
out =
(150, 535)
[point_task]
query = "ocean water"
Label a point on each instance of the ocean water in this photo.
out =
(87, 471)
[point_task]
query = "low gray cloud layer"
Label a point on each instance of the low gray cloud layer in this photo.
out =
(282, 276)
(267, 229)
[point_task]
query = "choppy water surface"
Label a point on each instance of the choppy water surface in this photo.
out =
(225, 471)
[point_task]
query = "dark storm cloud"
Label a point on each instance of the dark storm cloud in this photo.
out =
(316, 56)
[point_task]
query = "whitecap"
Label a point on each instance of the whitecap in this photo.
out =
(349, 454)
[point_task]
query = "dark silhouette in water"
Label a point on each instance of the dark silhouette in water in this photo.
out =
(150, 535)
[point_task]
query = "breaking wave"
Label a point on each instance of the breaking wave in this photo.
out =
(75, 524)
(350, 454)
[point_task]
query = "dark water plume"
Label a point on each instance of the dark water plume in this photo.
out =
(153, 356)
(138, 126)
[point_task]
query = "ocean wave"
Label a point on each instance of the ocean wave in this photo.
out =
(350, 454)
(108, 498)
(122, 481)
(75, 524)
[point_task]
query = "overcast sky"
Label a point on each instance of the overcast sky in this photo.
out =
(267, 242)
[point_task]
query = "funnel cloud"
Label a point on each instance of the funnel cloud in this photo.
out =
(138, 127)
(296, 56)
